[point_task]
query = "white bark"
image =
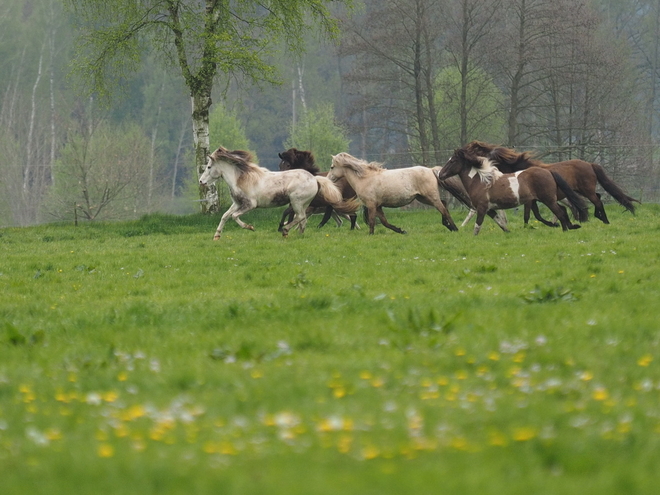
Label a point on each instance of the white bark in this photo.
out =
(200, 118)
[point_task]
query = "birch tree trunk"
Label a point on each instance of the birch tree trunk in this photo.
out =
(200, 121)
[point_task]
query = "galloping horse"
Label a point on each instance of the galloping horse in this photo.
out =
(297, 159)
(581, 176)
(252, 186)
(378, 187)
(490, 189)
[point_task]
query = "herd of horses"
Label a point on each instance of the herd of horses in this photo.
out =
(486, 178)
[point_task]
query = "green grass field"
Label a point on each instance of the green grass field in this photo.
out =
(144, 358)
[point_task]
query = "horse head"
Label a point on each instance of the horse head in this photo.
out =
(460, 159)
(297, 159)
(287, 159)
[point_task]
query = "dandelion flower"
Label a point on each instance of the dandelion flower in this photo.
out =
(645, 360)
(600, 394)
(494, 356)
(370, 452)
(523, 434)
(106, 450)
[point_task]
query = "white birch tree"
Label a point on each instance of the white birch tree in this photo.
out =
(203, 38)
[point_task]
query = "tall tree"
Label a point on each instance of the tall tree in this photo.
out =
(394, 50)
(203, 38)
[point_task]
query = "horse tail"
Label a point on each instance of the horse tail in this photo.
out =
(615, 191)
(575, 201)
(332, 195)
(454, 186)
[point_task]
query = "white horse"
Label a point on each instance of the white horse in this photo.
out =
(252, 186)
(378, 187)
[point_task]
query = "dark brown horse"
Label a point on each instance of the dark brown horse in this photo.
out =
(581, 176)
(292, 159)
(489, 189)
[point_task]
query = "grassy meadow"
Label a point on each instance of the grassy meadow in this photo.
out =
(144, 358)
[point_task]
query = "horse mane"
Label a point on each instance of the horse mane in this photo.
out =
(479, 148)
(300, 159)
(488, 172)
(358, 166)
(506, 158)
(513, 160)
(240, 159)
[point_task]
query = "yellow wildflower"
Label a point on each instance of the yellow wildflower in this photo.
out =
(645, 360)
(106, 450)
(523, 433)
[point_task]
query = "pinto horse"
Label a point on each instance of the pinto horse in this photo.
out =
(581, 176)
(378, 187)
(296, 159)
(252, 186)
(490, 189)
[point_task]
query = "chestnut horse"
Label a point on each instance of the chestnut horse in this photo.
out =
(581, 176)
(252, 186)
(296, 159)
(490, 189)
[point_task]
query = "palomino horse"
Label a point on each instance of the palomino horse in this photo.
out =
(252, 186)
(491, 189)
(297, 159)
(378, 187)
(581, 176)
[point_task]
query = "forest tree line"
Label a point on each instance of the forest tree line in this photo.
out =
(405, 82)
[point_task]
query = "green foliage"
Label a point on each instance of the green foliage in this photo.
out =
(234, 38)
(146, 358)
(549, 294)
(485, 114)
(226, 129)
(319, 132)
(104, 174)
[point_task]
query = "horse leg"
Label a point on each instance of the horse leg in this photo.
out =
(287, 213)
(537, 214)
(234, 212)
(326, 216)
(470, 214)
(354, 224)
(338, 218)
(599, 212)
(561, 213)
(481, 214)
(299, 219)
(441, 206)
(223, 220)
(383, 220)
(526, 212)
(370, 217)
(499, 219)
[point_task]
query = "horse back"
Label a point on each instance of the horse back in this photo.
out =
(578, 174)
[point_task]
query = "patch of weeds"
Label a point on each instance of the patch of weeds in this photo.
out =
(300, 281)
(418, 324)
(549, 294)
(485, 269)
(85, 268)
(14, 337)
(320, 302)
(249, 351)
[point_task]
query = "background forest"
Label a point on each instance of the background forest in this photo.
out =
(406, 82)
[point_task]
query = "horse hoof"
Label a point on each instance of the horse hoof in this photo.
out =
(250, 227)
(575, 227)
(216, 237)
(403, 232)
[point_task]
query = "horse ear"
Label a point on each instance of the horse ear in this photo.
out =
(280, 155)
